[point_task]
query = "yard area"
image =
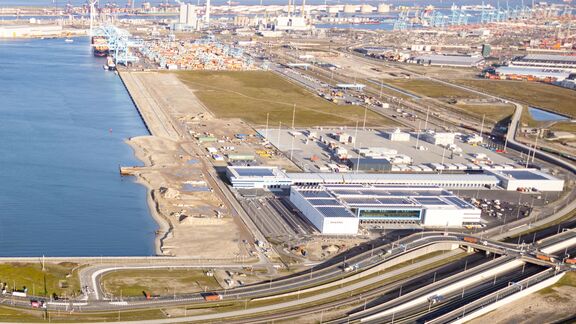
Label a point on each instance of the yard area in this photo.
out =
(133, 283)
(251, 95)
(531, 93)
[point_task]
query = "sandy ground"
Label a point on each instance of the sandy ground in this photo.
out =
(192, 223)
(536, 308)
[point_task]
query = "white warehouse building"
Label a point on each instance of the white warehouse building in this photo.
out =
(262, 177)
(339, 209)
(443, 139)
(527, 179)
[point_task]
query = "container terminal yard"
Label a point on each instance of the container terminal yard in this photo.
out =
(301, 169)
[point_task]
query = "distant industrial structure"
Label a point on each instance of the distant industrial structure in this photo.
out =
(448, 60)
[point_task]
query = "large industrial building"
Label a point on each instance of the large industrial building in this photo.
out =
(546, 61)
(448, 60)
(251, 177)
(514, 72)
(339, 209)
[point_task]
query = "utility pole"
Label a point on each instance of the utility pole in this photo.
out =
(482, 128)
(535, 144)
(267, 118)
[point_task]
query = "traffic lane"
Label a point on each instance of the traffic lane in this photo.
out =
(459, 298)
(429, 289)
(430, 277)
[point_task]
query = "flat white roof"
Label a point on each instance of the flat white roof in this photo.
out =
(245, 172)
(330, 197)
(390, 177)
(524, 174)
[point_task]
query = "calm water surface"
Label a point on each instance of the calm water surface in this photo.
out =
(63, 122)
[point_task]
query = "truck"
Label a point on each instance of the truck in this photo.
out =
(543, 257)
(348, 268)
(470, 239)
(211, 296)
(570, 261)
(435, 299)
(37, 303)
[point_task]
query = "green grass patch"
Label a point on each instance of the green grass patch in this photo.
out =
(19, 315)
(569, 279)
(251, 95)
(430, 88)
(564, 127)
(493, 113)
(532, 93)
(133, 283)
(59, 278)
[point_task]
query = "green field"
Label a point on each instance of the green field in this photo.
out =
(252, 95)
(432, 89)
(531, 93)
(38, 282)
(157, 282)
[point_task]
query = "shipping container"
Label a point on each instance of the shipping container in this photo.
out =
(211, 296)
(470, 239)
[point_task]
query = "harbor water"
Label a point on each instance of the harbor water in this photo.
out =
(63, 123)
(543, 115)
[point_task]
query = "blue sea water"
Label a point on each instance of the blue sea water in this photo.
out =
(63, 122)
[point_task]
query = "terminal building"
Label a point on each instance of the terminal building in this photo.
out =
(340, 209)
(262, 177)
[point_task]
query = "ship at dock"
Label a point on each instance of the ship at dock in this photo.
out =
(100, 46)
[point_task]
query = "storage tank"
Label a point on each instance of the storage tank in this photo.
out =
(349, 8)
(383, 8)
(365, 8)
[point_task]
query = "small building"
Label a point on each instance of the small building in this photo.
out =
(241, 157)
(351, 86)
(285, 23)
(397, 136)
(370, 164)
(249, 177)
(527, 179)
(207, 139)
(443, 139)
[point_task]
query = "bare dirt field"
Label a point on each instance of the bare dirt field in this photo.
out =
(193, 218)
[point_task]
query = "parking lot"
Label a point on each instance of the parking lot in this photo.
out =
(512, 205)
